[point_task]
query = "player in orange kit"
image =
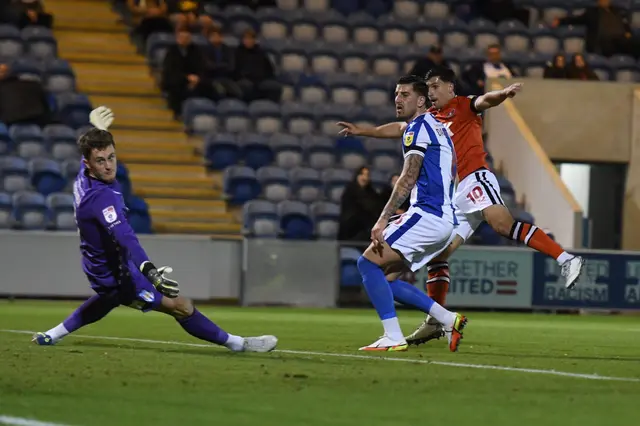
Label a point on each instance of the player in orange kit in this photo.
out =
(477, 196)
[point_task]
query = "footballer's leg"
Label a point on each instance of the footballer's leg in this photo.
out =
(92, 310)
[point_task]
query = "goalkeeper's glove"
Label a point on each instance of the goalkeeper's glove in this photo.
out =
(157, 277)
(101, 117)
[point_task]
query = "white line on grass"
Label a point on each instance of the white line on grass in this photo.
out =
(374, 358)
(21, 421)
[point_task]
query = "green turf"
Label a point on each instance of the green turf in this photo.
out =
(96, 382)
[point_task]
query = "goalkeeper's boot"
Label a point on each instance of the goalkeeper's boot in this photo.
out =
(429, 329)
(42, 339)
(454, 333)
(385, 343)
(259, 344)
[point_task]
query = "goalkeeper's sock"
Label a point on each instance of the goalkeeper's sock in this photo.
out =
(92, 310)
(407, 294)
(381, 297)
(203, 328)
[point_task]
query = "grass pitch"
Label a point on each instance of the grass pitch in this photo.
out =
(319, 377)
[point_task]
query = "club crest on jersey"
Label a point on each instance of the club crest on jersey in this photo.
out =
(110, 214)
(408, 138)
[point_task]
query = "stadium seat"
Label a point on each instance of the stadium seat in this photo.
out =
(354, 60)
(345, 7)
(11, 44)
(304, 29)
(199, 115)
(265, 116)
(384, 61)
(62, 214)
(272, 24)
(46, 176)
(71, 168)
(334, 182)
(287, 150)
(28, 139)
(600, 65)
(61, 141)
(306, 184)
(299, 118)
(343, 88)
(515, 36)
(406, 9)
(221, 151)
(293, 59)
(138, 215)
(30, 210)
(240, 18)
(545, 40)
(572, 39)
(260, 219)
(326, 217)
(316, 5)
(40, 42)
(324, 59)
(349, 273)
(456, 34)
(60, 77)
(6, 208)
(364, 29)
(436, 9)
(624, 68)
(379, 179)
(156, 47)
(6, 143)
(74, 109)
(255, 150)
(351, 152)
(335, 30)
(240, 184)
(235, 115)
(15, 174)
(319, 152)
(312, 90)
(27, 68)
(295, 220)
(484, 33)
(275, 183)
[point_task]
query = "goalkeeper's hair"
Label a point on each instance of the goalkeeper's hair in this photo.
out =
(94, 139)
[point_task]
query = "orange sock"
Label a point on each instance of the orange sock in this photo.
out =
(437, 284)
(535, 238)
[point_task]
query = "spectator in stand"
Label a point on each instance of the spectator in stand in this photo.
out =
(360, 207)
(149, 16)
(22, 101)
(219, 66)
(580, 70)
(476, 75)
(189, 15)
(557, 69)
(33, 14)
(608, 30)
(254, 71)
(182, 71)
(433, 58)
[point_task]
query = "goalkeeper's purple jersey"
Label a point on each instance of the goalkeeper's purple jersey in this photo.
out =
(107, 242)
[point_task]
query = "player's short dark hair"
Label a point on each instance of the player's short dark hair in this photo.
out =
(94, 139)
(443, 73)
(418, 84)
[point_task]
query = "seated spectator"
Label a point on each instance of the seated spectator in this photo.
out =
(433, 58)
(149, 16)
(189, 15)
(557, 68)
(608, 30)
(33, 14)
(386, 194)
(360, 207)
(580, 70)
(219, 62)
(182, 71)
(22, 100)
(476, 75)
(254, 71)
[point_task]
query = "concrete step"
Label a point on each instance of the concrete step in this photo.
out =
(161, 227)
(184, 205)
(133, 146)
(108, 59)
(130, 88)
(166, 169)
(160, 159)
(171, 181)
(91, 41)
(166, 215)
(117, 103)
(126, 121)
(129, 73)
(176, 192)
(140, 113)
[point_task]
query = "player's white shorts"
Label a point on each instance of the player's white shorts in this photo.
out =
(419, 236)
(475, 193)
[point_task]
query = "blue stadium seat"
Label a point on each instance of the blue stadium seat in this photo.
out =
(241, 184)
(6, 208)
(266, 116)
(295, 220)
(61, 207)
(334, 183)
(61, 141)
(349, 274)
(255, 150)
(11, 44)
(306, 184)
(485, 33)
(384, 155)
(260, 219)
(299, 118)
(235, 115)
(221, 151)
(275, 183)
(6, 143)
(74, 109)
(14, 172)
(27, 68)
(312, 91)
(326, 217)
(71, 168)
(327, 115)
(351, 152)
(46, 176)
(30, 210)
(28, 139)
(199, 115)
(40, 41)
(138, 215)
(320, 152)
(287, 150)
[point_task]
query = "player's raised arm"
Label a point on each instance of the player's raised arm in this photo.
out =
(496, 97)
(386, 131)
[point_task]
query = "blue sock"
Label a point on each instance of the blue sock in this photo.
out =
(407, 294)
(377, 288)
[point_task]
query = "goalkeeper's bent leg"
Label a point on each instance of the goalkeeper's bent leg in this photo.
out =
(93, 309)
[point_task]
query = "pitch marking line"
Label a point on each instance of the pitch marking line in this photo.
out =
(373, 358)
(21, 421)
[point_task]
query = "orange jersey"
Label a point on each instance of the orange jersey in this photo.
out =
(465, 126)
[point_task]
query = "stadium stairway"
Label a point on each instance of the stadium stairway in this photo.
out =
(163, 164)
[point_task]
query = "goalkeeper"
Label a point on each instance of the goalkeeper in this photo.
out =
(117, 267)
